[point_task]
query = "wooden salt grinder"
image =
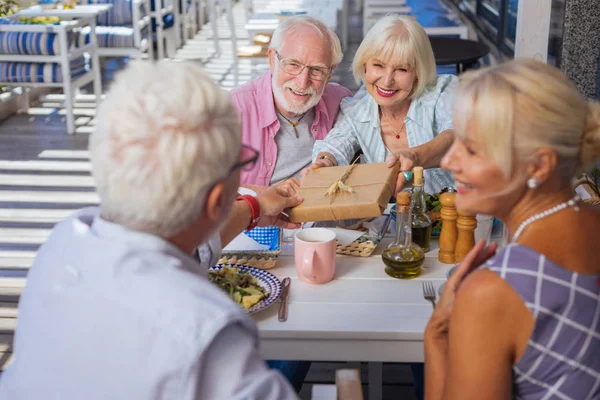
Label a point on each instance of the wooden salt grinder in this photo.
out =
(466, 225)
(448, 234)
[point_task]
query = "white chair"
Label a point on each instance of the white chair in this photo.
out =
(46, 56)
(347, 387)
(167, 24)
(190, 19)
(125, 31)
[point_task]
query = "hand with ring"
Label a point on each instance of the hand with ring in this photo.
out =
(407, 160)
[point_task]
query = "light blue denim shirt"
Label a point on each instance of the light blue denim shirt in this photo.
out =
(357, 128)
(110, 313)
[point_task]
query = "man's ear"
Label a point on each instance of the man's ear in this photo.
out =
(272, 55)
(543, 164)
(214, 206)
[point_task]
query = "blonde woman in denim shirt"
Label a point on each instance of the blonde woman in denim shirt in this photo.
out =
(403, 111)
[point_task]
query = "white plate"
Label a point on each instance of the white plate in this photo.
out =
(267, 280)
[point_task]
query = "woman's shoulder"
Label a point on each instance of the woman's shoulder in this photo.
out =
(446, 80)
(525, 269)
(515, 255)
(485, 294)
(356, 103)
(444, 84)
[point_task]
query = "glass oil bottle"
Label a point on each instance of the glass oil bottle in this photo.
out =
(403, 258)
(421, 221)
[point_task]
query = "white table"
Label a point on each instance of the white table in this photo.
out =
(362, 315)
(81, 11)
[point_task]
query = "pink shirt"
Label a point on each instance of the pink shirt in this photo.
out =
(258, 117)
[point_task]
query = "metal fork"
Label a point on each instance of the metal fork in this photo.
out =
(429, 292)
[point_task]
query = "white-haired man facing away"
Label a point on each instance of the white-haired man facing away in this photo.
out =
(115, 305)
(287, 109)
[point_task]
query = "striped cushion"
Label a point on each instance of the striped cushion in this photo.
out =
(110, 36)
(120, 14)
(40, 72)
(30, 43)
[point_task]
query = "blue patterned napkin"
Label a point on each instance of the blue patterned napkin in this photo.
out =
(267, 235)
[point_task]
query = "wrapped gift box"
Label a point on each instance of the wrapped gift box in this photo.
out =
(372, 184)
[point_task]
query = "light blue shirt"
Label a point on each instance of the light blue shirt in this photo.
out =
(357, 127)
(110, 313)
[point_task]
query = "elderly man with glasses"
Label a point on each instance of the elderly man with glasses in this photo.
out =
(115, 306)
(291, 106)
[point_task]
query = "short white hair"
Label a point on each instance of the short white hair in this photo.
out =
(304, 20)
(165, 134)
(398, 39)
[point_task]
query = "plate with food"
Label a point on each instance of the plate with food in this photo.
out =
(252, 288)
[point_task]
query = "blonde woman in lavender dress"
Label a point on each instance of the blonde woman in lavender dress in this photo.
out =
(526, 323)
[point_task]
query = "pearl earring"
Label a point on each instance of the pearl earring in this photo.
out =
(533, 183)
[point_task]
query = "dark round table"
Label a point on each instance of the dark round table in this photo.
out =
(460, 52)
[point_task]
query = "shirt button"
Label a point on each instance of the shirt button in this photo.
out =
(269, 164)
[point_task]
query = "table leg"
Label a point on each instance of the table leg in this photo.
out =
(96, 62)
(375, 381)
(25, 99)
(65, 66)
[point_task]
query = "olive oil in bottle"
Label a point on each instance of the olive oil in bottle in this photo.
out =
(403, 258)
(421, 222)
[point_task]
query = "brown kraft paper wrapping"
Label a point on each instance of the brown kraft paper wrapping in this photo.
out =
(373, 186)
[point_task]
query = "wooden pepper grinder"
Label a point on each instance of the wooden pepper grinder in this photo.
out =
(448, 235)
(466, 224)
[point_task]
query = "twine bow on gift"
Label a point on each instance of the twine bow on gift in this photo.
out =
(339, 185)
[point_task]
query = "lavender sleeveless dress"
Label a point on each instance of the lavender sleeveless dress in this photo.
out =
(562, 359)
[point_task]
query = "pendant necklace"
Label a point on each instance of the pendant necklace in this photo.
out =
(292, 123)
(396, 132)
(570, 203)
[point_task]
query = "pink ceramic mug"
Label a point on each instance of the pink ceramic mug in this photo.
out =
(314, 250)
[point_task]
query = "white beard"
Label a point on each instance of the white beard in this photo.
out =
(295, 107)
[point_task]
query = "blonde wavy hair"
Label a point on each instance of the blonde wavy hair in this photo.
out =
(398, 39)
(540, 108)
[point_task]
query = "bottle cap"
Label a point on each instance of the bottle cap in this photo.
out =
(403, 199)
(418, 176)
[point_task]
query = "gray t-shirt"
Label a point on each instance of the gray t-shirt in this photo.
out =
(293, 153)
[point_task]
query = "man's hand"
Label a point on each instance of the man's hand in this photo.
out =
(273, 201)
(407, 159)
(290, 186)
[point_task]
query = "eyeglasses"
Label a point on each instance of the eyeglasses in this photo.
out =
(248, 157)
(294, 67)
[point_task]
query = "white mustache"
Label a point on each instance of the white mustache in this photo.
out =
(292, 85)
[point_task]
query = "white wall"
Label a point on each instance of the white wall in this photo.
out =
(533, 29)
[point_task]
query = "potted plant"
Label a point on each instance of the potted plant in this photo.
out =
(8, 7)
